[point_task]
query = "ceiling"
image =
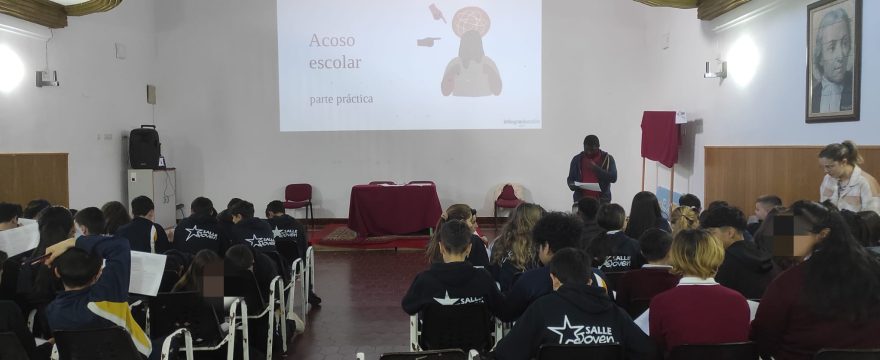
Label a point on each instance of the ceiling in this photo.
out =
(54, 13)
(706, 9)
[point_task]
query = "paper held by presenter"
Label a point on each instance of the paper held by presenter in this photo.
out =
(587, 186)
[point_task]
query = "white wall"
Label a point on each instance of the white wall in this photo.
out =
(99, 94)
(218, 114)
(768, 110)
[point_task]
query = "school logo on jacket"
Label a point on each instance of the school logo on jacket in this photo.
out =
(459, 301)
(199, 233)
(582, 334)
(618, 262)
(260, 242)
(282, 233)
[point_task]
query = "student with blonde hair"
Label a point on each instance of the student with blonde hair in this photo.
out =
(698, 310)
(684, 218)
(513, 251)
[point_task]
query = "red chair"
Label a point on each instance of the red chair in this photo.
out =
(297, 196)
(382, 182)
(507, 200)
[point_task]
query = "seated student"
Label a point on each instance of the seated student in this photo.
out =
(37, 286)
(142, 233)
(574, 313)
(746, 268)
(554, 232)
(684, 218)
(864, 225)
(588, 208)
(93, 297)
(454, 281)
(9, 214)
(645, 214)
(830, 300)
(224, 218)
(115, 216)
(698, 310)
(613, 249)
(12, 320)
(763, 205)
(691, 201)
(193, 278)
(286, 228)
(652, 278)
(513, 251)
(249, 230)
(200, 231)
(34, 207)
(478, 256)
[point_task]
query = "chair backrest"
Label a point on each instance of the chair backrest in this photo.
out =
(171, 311)
(447, 354)
(298, 192)
(110, 343)
(729, 351)
(382, 182)
(848, 354)
(169, 278)
(11, 348)
(613, 278)
(593, 352)
(462, 327)
(507, 193)
(243, 284)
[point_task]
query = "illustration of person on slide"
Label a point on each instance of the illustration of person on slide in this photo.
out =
(472, 73)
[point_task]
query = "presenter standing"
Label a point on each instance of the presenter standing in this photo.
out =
(845, 184)
(591, 172)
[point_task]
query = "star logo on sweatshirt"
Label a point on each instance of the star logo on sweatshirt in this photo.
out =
(201, 233)
(568, 334)
(446, 300)
(276, 233)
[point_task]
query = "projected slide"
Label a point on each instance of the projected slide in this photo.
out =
(409, 64)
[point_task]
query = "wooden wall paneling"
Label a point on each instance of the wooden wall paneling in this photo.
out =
(35, 176)
(738, 175)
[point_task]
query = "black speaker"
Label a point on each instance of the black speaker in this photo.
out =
(143, 148)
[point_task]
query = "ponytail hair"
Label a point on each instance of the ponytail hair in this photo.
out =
(846, 150)
(455, 212)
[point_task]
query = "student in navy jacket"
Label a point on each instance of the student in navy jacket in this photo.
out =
(554, 232)
(249, 230)
(142, 233)
(94, 298)
(286, 228)
(613, 250)
(454, 281)
(200, 230)
(478, 256)
(575, 313)
(12, 320)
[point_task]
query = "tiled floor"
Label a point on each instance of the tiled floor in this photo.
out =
(361, 311)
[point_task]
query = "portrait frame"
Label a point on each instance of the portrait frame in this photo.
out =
(840, 100)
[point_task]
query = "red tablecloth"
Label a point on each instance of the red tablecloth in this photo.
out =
(393, 210)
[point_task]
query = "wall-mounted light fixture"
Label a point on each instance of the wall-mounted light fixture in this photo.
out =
(720, 74)
(47, 78)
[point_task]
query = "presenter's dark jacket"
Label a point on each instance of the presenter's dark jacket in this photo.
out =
(532, 285)
(606, 173)
(746, 269)
(138, 233)
(286, 228)
(105, 303)
(787, 329)
(254, 232)
(456, 283)
(199, 232)
(574, 314)
(846, 95)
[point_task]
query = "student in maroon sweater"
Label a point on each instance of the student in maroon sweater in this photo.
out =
(831, 300)
(637, 287)
(698, 310)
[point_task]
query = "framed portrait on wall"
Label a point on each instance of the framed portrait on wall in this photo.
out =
(834, 52)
